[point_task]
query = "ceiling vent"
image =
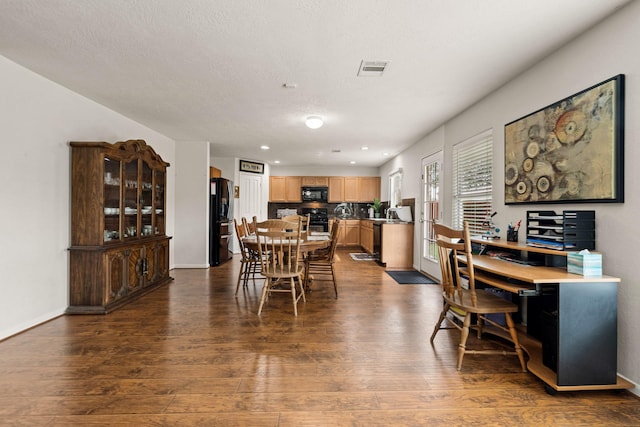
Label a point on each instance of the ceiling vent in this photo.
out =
(372, 68)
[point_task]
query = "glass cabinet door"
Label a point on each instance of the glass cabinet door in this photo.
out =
(158, 202)
(111, 199)
(146, 200)
(130, 227)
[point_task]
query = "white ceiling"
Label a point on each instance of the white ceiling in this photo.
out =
(213, 70)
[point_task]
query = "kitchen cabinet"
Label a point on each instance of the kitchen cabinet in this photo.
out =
(119, 249)
(293, 186)
(348, 233)
(366, 235)
(396, 246)
(352, 232)
(315, 181)
(368, 188)
(361, 188)
(336, 189)
(357, 189)
(277, 189)
(285, 189)
(351, 189)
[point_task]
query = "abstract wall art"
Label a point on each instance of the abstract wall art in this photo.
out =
(570, 151)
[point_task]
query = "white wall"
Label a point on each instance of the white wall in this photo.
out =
(606, 50)
(191, 241)
(37, 120)
(410, 161)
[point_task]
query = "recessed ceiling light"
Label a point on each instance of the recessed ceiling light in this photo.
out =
(385, 154)
(353, 162)
(314, 122)
(364, 148)
(276, 161)
(264, 147)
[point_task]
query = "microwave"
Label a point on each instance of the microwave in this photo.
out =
(315, 194)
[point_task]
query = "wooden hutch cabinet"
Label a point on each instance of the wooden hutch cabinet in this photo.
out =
(119, 247)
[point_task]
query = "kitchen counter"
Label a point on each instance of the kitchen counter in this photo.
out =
(374, 220)
(392, 239)
(386, 221)
(396, 244)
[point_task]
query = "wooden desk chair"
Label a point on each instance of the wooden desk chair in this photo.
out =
(305, 222)
(250, 261)
(279, 246)
(452, 243)
(320, 263)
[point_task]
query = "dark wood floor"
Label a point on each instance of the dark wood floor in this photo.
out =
(191, 354)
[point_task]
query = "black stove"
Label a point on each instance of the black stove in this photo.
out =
(318, 218)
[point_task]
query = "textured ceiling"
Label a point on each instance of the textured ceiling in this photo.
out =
(212, 70)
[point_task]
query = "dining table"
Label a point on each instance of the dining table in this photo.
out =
(309, 243)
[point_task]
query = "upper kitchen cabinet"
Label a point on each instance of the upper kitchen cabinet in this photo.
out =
(315, 181)
(285, 189)
(369, 188)
(336, 189)
(293, 186)
(119, 249)
(341, 188)
(351, 189)
(277, 189)
(361, 188)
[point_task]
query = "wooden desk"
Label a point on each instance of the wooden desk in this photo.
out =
(571, 322)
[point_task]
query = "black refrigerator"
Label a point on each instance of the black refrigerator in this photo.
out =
(220, 221)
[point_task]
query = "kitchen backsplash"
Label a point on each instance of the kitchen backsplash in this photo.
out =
(356, 210)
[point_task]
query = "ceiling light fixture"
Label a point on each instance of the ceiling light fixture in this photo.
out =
(264, 147)
(314, 122)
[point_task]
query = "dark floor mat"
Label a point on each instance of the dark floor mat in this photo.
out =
(410, 278)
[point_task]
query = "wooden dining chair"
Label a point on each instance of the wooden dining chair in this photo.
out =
(319, 264)
(279, 249)
(250, 261)
(250, 227)
(451, 244)
(305, 222)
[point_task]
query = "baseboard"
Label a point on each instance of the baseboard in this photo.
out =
(635, 390)
(30, 324)
(176, 266)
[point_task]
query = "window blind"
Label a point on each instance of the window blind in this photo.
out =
(472, 181)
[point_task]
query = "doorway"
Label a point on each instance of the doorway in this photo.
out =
(250, 201)
(431, 211)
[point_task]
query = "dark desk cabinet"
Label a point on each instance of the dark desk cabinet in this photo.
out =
(577, 325)
(571, 320)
